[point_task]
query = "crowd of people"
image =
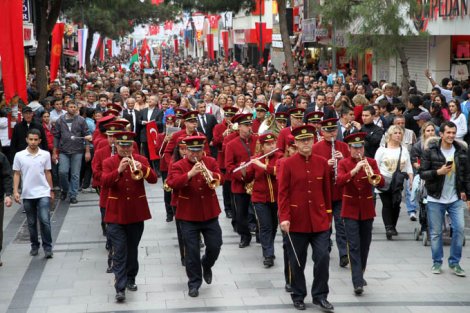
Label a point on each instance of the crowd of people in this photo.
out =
(301, 152)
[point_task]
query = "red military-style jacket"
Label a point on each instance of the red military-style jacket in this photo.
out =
(282, 138)
(160, 147)
(304, 196)
(358, 200)
(265, 185)
(196, 201)
(97, 168)
(323, 149)
(256, 124)
(221, 160)
(218, 140)
(127, 201)
(98, 136)
(236, 153)
(174, 140)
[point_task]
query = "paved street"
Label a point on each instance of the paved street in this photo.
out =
(398, 275)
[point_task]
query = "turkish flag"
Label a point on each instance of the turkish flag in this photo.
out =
(152, 133)
(210, 46)
(56, 49)
(154, 29)
(213, 21)
(12, 50)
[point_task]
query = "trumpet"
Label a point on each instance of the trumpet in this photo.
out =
(136, 174)
(374, 179)
(210, 180)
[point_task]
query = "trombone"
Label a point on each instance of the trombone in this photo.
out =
(136, 174)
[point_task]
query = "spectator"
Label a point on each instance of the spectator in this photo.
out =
(33, 166)
(374, 132)
(458, 118)
(35, 105)
(69, 150)
(5, 192)
(58, 111)
(4, 140)
(20, 130)
(413, 110)
(444, 168)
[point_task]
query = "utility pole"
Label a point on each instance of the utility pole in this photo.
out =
(261, 48)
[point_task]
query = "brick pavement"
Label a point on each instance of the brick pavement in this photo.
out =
(398, 274)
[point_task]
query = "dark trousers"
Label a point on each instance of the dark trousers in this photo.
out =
(212, 238)
(227, 194)
(267, 218)
(179, 235)
(125, 241)
(339, 227)
(2, 212)
(167, 197)
(86, 172)
(321, 263)
(390, 211)
(359, 236)
(287, 267)
(242, 205)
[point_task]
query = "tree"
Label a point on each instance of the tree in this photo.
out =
(385, 26)
(281, 4)
(213, 6)
(115, 18)
(48, 12)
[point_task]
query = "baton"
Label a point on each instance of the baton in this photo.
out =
(293, 249)
(76, 137)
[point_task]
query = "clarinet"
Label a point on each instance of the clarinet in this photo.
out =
(113, 149)
(335, 164)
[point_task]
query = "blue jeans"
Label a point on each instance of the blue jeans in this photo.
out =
(70, 163)
(410, 205)
(39, 208)
(436, 212)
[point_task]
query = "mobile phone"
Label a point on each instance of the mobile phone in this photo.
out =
(449, 163)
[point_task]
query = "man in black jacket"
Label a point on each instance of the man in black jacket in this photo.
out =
(146, 116)
(445, 170)
(205, 124)
(374, 132)
(413, 110)
(6, 189)
(18, 138)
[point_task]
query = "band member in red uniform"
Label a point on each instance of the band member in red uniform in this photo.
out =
(195, 178)
(162, 141)
(314, 119)
(358, 210)
(220, 132)
(100, 132)
(239, 151)
(179, 114)
(264, 194)
(124, 126)
(305, 214)
(334, 150)
(261, 110)
(126, 210)
(281, 120)
(190, 129)
(296, 120)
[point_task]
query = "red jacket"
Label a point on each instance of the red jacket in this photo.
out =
(97, 169)
(265, 186)
(282, 138)
(304, 196)
(221, 161)
(323, 149)
(127, 201)
(218, 140)
(235, 154)
(174, 140)
(160, 147)
(196, 201)
(358, 200)
(256, 124)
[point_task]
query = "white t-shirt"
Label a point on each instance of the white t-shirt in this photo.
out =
(33, 173)
(387, 159)
(449, 193)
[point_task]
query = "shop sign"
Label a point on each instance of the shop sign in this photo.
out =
(309, 30)
(277, 44)
(26, 10)
(321, 32)
(28, 35)
(239, 37)
(444, 8)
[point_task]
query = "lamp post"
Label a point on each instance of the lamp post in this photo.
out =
(261, 48)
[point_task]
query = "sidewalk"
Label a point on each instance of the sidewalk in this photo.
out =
(398, 273)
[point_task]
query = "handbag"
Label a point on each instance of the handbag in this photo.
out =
(394, 183)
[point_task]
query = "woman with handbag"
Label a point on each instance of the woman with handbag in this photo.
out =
(394, 164)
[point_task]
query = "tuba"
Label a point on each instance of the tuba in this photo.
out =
(136, 174)
(374, 179)
(210, 180)
(269, 125)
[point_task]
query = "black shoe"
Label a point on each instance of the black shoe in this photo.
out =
(120, 296)
(388, 232)
(299, 305)
(193, 292)
(358, 290)
(73, 200)
(344, 261)
(169, 218)
(131, 286)
(324, 305)
(63, 196)
(207, 275)
(394, 231)
(34, 252)
(228, 214)
(288, 287)
(48, 254)
(243, 244)
(268, 261)
(109, 269)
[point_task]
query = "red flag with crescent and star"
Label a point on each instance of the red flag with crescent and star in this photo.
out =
(56, 49)
(152, 133)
